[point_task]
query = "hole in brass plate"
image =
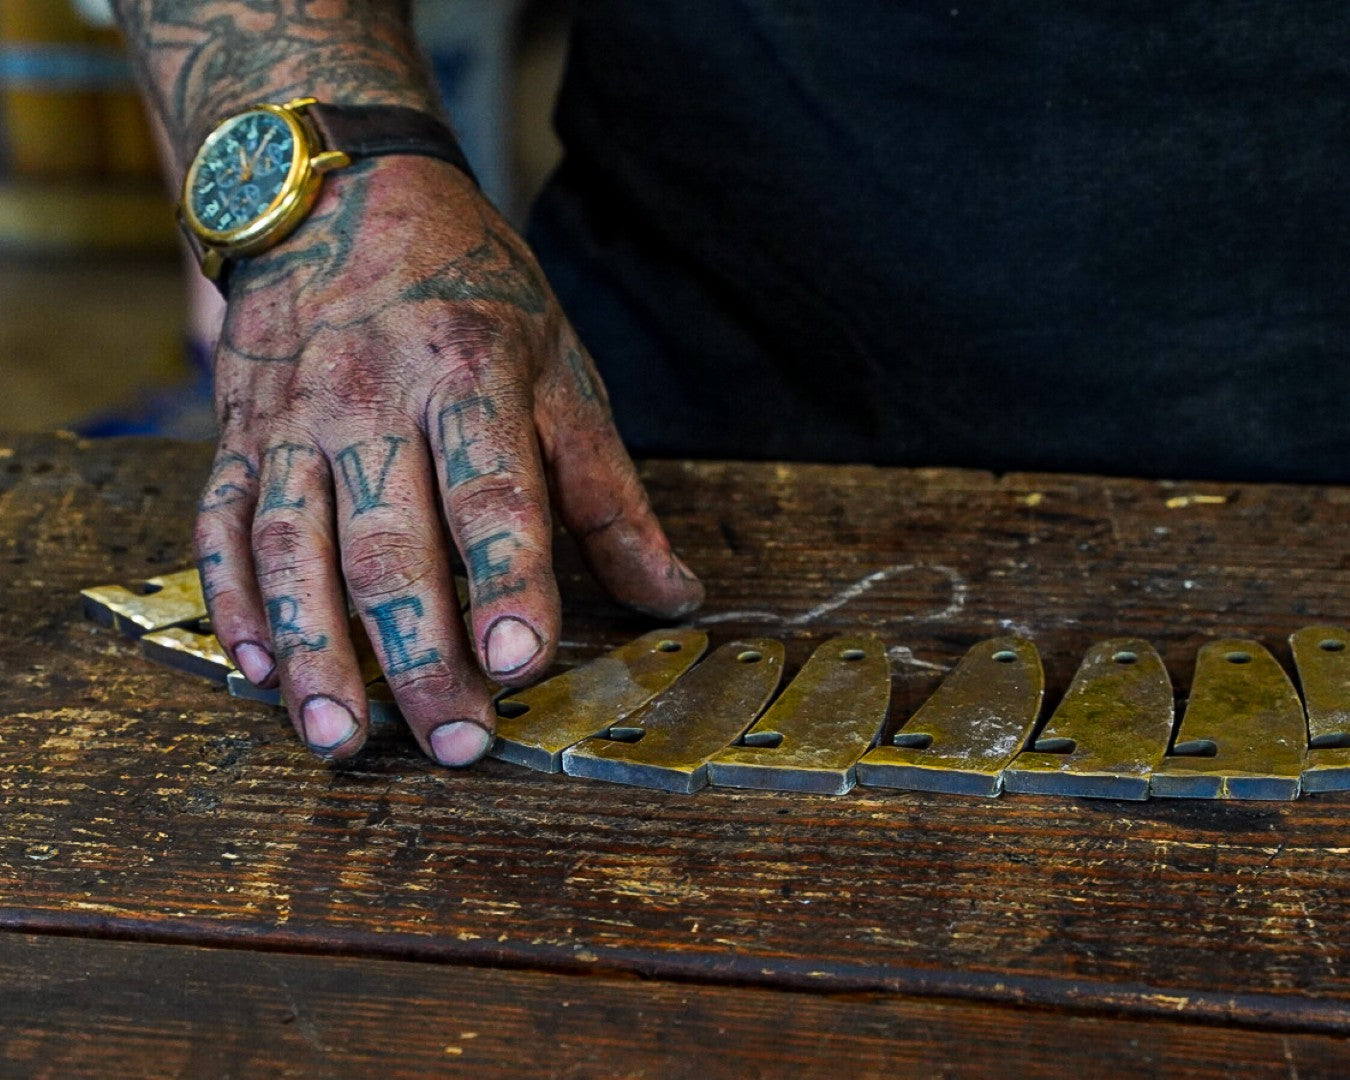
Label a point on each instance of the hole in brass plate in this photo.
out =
(1239, 658)
(668, 646)
(767, 739)
(852, 654)
(1126, 657)
(511, 709)
(1197, 747)
(1339, 740)
(750, 656)
(1055, 746)
(1331, 644)
(1005, 656)
(625, 734)
(912, 740)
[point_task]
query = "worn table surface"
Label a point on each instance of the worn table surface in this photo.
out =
(186, 891)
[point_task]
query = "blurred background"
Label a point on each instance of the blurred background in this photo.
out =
(99, 324)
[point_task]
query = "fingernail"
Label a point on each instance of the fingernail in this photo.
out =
(511, 644)
(682, 569)
(328, 724)
(460, 743)
(255, 662)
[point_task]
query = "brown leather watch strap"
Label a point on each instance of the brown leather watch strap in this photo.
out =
(362, 131)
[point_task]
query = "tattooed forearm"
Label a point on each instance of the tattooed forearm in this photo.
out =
(201, 60)
(365, 487)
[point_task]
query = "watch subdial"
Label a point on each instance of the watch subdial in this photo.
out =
(245, 202)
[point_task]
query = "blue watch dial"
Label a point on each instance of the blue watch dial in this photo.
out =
(242, 172)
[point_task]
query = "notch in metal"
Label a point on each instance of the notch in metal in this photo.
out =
(1243, 735)
(1322, 657)
(812, 736)
(165, 601)
(967, 733)
(188, 649)
(536, 725)
(666, 744)
(1110, 731)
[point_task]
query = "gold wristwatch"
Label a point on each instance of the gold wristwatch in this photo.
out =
(258, 174)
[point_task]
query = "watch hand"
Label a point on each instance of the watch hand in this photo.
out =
(258, 152)
(245, 171)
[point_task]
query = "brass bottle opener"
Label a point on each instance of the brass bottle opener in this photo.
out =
(666, 744)
(967, 733)
(1110, 731)
(812, 736)
(1243, 735)
(535, 726)
(1322, 657)
(165, 601)
(188, 649)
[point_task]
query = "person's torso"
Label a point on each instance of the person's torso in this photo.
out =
(1013, 235)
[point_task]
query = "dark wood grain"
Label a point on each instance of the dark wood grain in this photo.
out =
(138, 802)
(77, 1008)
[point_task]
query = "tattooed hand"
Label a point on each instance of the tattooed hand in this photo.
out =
(400, 364)
(395, 371)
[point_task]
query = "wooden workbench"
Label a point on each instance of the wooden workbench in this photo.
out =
(187, 892)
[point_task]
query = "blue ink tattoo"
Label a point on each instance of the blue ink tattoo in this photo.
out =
(281, 459)
(397, 638)
(287, 636)
(486, 573)
(365, 495)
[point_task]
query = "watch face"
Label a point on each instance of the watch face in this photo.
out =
(241, 171)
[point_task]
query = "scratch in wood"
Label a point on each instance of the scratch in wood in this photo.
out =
(957, 601)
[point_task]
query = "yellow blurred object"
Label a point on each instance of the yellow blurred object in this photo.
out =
(68, 125)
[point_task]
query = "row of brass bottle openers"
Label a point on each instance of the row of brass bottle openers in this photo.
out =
(656, 713)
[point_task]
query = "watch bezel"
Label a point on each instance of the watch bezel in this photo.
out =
(298, 192)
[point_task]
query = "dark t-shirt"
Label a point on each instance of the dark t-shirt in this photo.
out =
(1009, 234)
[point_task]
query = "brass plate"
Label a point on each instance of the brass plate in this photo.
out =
(188, 650)
(536, 725)
(169, 600)
(1243, 735)
(666, 744)
(972, 727)
(1110, 731)
(1322, 656)
(813, 735)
